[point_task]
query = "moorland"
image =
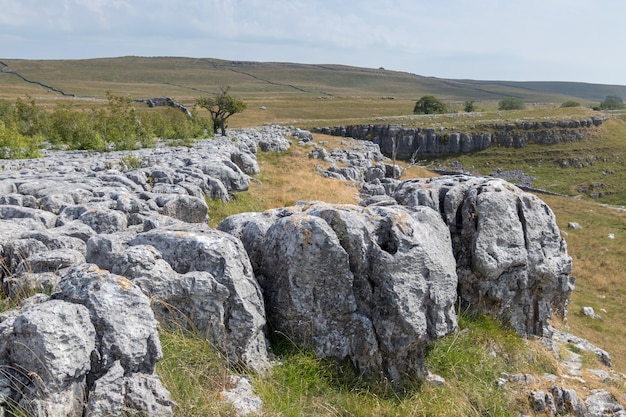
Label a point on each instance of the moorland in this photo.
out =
(310, 96)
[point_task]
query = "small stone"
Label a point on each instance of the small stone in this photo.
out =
(590, 312)
(435, 380)
(574, 225)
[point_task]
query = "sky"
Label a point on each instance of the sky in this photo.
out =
(512, 40)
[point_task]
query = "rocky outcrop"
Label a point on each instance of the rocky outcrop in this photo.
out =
(119, 247)
(510, 258)
(410, 142)
(357, 161)
(123, 248)
(98, 325)
(373, 285)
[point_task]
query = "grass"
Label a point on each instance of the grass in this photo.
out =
(471, 361)
(194, 374)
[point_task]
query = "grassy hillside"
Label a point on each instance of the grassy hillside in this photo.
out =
(187, 78)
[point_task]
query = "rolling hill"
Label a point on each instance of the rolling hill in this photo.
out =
(188, 78)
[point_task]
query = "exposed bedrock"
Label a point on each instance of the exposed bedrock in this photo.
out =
(369, 284)
(510, 258)
(409, 142)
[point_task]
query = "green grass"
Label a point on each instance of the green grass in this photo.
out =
(194, 374)
(593, 167)
(471, 362)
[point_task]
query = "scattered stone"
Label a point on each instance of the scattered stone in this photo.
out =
(590, 312)
(243, 398)
(582, 344)
(574, 225)
(601, 404)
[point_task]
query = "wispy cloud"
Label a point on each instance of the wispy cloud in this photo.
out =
(577, 40)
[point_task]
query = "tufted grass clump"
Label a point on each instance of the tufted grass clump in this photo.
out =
(194, 374)
(471, 361)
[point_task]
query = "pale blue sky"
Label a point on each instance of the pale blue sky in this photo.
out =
(530, 40)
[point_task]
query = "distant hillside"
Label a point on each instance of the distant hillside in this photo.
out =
(186, 78)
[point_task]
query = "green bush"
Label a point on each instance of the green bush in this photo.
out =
(469, 106)
(511, 103)
(612, 103)
(570, 103)
(73, 129)
(429, 105)
(14, 145)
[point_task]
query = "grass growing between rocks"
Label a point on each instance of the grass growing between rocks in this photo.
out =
(194, 374)
(471, 361)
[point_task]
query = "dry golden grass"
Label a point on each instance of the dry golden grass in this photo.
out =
(600, 272)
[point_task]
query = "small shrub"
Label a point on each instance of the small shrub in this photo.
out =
(612, 103)
(429, 105)
(570, 103)
(130, 162)
(511, 103)
(469, 106)
(14, 145)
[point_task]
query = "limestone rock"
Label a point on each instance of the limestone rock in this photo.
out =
(197, 248)
(49, 376)
(372, 285)
(511, 260)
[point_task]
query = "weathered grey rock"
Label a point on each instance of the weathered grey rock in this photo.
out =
(274, 144)
(189, 248)
(303, 135)
(250, 228)
(582, 344)
(120, 312)
(186, 208)
(104, 220)
(406, 142)
(49, 376)
(511, 260)
(372, 285)
(590, 312)
(243, 398)
(602, 404)
(566, 402)
(228, 173)
(46, 218)
(246, 161)
(194, 300)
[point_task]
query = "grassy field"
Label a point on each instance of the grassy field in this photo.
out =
(328, 95)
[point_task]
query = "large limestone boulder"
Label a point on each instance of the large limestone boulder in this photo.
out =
(215, 264)
(45, 356)
(126, 343)
(373, 285)
(511, 260)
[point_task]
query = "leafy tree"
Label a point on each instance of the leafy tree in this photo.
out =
(221, 106)
(429, 105)
(570, 103)
(511, 103)
(612, 103)
(31, 120)
(74, 129)
(469, 106)
(120, 125)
